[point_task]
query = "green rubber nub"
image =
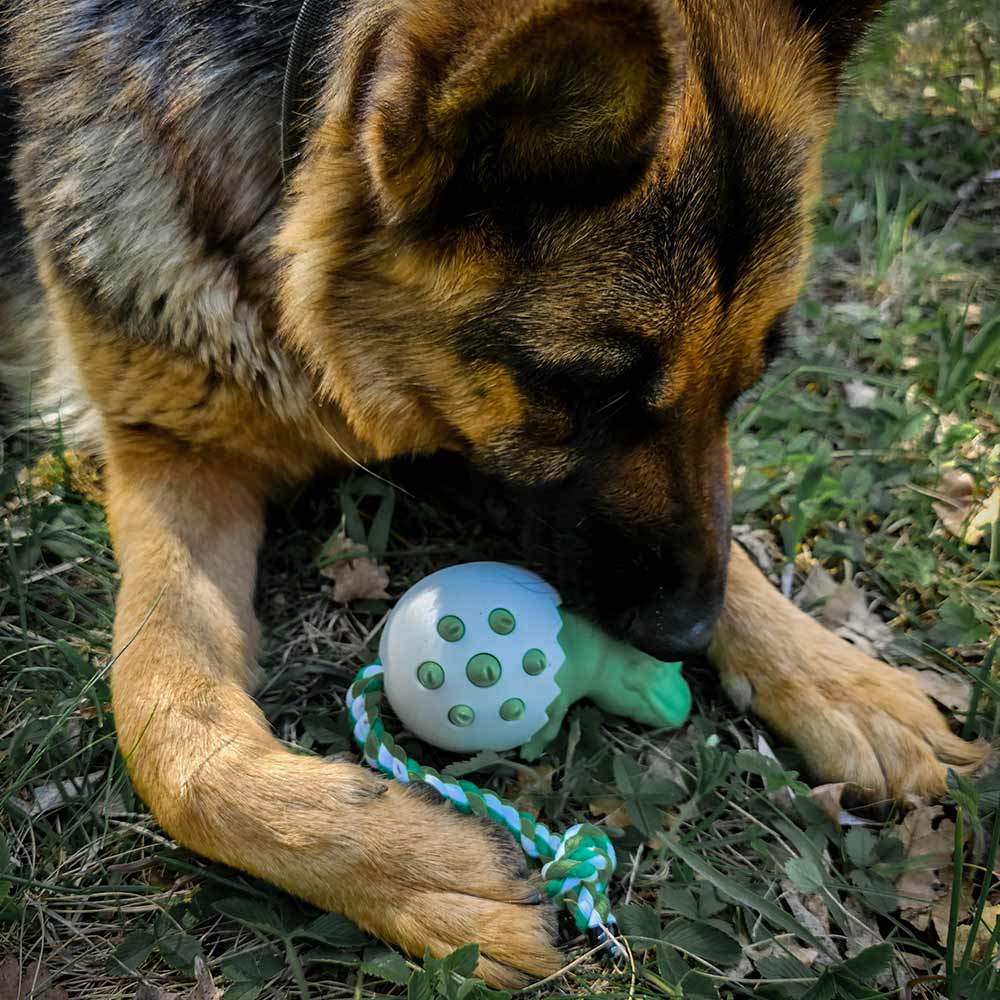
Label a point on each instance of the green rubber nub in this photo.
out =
(617, 677)
(461, 715)
(430, 675)
(501, 621)
(451, 628)
(534, 662)
(512, 710)
(483, 670)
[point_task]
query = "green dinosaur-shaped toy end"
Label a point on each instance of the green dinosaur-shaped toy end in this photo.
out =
(617, 677)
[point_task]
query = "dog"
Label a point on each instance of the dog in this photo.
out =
(556, 237)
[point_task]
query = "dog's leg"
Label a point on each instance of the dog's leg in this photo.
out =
(186, 528)
(854, 718)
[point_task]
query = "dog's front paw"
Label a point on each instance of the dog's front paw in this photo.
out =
(440, 880)
(854, 718)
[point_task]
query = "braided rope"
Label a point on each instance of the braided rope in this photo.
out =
(578, 865)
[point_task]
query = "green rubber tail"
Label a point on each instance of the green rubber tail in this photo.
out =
(619, 678)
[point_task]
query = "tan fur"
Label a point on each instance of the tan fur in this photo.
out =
(254, 369)
(853, 718)
(186, 528)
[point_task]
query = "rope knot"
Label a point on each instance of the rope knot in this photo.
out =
(582, 861)
(579, 874)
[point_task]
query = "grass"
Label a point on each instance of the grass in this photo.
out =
(736, 878)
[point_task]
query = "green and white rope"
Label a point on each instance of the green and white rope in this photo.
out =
(577, 866)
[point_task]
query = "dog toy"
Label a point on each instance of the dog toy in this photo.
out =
(481, 656)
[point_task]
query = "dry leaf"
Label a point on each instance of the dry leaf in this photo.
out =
(761, 545)
(928, 839)
(616, 814)
(916, 963)
(533, 781)
(991, 914)
(783, 797)
(941, 910)
(16, 984)
(846, 612)
(860, 936)
(780, 946)
(808, 909)
(356, 578)
(613, 810)
(741, 970)
(951, 690)
(818, 587)
(205, 988)
(830, 799)
(46, 798)
(145, 992)
(961, 515)
(662, 768)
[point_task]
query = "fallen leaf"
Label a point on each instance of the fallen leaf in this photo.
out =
(780, 946)
(950, 690)
(48, 797)
(941, 910)
(958, 485)
(830, 799)
(145, 992)
(991, 914)
(18, 984)
(760, 544)
(860, 937)
(741, 970)
(662, 767)
(616, 814)
(808, 908)
(960, 514)
(613, 810)
(856, 310)
(534, 781)
(782, 797)
(205, 988)
(818, 586)
(917, 963)
(846, 612)
(928, 839)
(356, 576)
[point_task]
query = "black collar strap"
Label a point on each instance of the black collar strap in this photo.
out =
(311, 27)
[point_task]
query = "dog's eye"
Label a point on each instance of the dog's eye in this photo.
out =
(776, 339)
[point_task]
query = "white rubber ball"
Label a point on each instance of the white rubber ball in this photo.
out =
(470, 656)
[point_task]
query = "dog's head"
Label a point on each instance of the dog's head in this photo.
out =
(560, 236)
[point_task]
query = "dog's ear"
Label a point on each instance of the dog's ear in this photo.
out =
(839, 24)
(472, 102)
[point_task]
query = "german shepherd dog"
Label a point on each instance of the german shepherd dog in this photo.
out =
(558, 237)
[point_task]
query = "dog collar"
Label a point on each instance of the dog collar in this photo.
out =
(297, 93)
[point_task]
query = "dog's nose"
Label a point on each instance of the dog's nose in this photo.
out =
(677, 615)
(674, 626)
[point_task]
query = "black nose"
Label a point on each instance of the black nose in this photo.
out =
(677, 617)
(673, 628)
